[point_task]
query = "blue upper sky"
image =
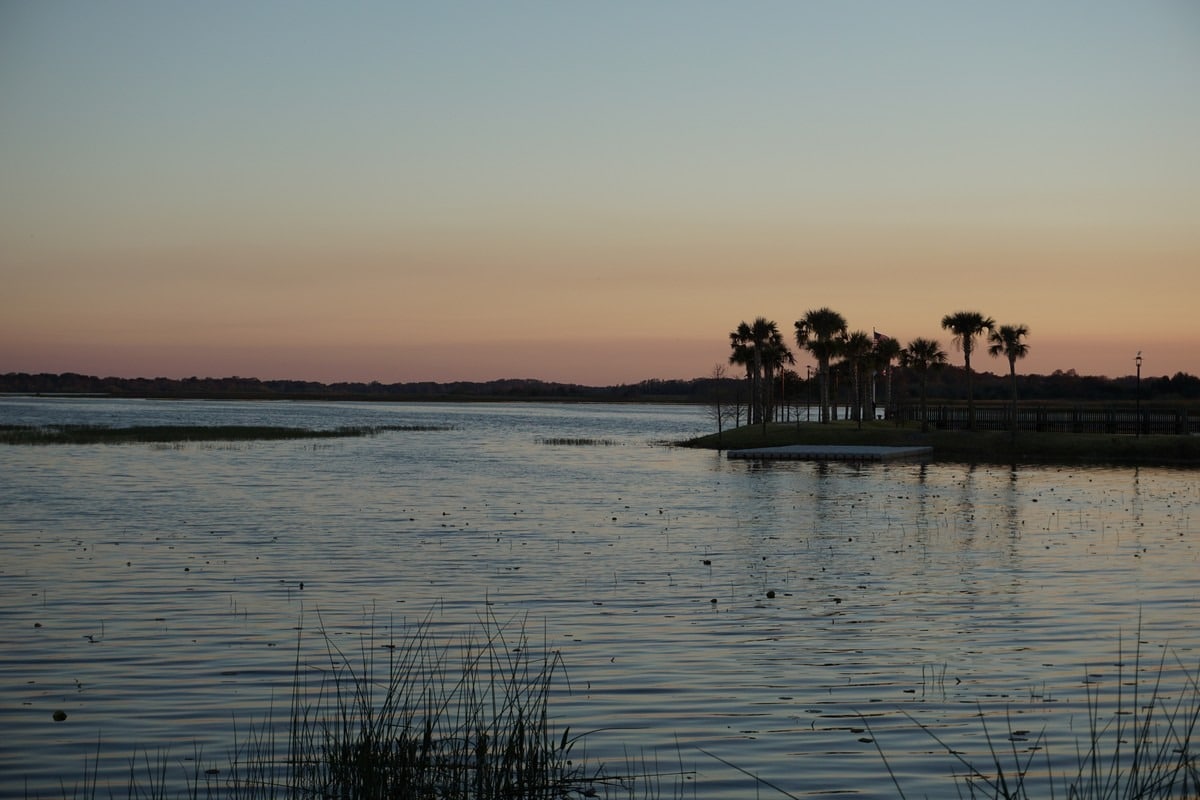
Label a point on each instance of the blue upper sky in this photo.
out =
(408, 190)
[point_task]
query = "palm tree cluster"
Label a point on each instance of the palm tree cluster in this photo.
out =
(759, 348)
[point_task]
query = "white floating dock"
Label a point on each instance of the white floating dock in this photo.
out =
(830, 452)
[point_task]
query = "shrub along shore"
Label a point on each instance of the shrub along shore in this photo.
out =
(992, 447)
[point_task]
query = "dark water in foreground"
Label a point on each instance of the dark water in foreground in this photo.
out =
(152, 592)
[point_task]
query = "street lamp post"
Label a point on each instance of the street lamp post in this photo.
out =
(782, 394)
(808, 405)
(1138, 402)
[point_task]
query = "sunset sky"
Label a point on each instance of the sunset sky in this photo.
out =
(589, 192)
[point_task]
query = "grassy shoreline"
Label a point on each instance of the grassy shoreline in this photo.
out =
(993, 447)
(170, 434)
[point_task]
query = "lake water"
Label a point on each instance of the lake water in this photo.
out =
(153, 593)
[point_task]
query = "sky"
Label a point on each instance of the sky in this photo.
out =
(595, 193)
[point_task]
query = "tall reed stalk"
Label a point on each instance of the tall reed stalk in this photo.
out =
(446, 719)
(465, 719)
(1143, 748)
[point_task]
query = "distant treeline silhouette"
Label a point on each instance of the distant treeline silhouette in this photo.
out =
(945, 385)
(236, 387)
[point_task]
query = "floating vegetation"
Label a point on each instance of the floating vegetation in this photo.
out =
(576, 442)
(419, 428)
(168, 434)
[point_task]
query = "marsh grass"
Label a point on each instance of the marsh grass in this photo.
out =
(176, 434)
(468, 718)
(577, 442)
(418, 717)
(443, 721)
(1139, 744)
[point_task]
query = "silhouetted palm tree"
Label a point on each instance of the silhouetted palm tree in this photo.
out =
(966, 325)
(759, 346)
(922, 355)
(821, 333)
(1007, 341)
(743, 355)
(775, 355)
(856, 351)
(887, 351)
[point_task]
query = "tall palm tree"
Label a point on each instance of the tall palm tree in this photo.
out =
(966, 325)
(740, 341)
(760, 348)
(821, 333)
(887, 351)
(856, 351)
(775, 355)
(922, 355)
(1007, 341)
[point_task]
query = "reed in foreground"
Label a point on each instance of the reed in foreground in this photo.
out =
(1139, 745)
(447, 720)
(418, 717)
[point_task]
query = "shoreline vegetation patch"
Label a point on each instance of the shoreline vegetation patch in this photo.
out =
(576, 442)
(160, 434)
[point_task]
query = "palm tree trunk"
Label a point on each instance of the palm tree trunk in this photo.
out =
(924, 408)
(767, 398)
(824, 367)
(970, 390)
(758, 371)
(858, 397)
(1012, 372)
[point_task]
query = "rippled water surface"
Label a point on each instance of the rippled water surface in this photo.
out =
(153, 593)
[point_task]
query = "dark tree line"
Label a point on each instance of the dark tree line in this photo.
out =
(945, 384)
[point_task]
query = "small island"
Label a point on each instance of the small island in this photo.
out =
(993, 447)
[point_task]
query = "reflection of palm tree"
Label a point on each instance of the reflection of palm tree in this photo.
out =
(821, 333)
(966, 325)
(856, 350)
(920, 356)
(1007, 341)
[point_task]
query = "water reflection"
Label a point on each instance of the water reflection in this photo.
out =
(938, 589)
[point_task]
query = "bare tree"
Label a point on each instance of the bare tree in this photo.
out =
(721, 409)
